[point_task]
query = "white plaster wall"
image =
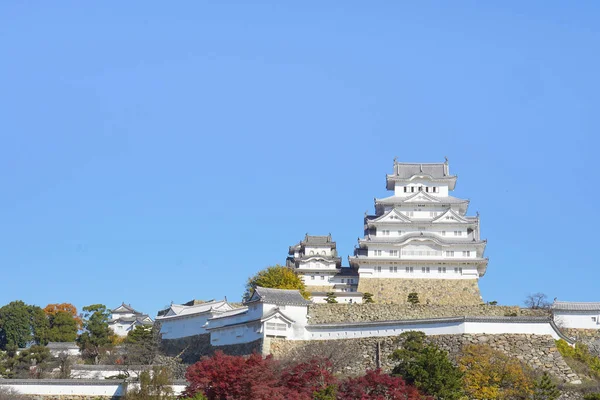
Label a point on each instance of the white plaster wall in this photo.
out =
(115, 389)
(441, 190)
(173, 328)
(526, 328)
(349, 331)
(579, 319)
(317, 250)
(236, 334)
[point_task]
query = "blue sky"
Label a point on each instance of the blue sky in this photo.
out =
(151, 154)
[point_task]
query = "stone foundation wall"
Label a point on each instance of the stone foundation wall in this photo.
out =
(192, 348)
(430, 291)
(539, 352)
(335, 313)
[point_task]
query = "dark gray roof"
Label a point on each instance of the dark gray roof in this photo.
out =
(467, 239)
(140, 319)
(321, 241)
(347, 271)
(575, 306)
(280, 297)
(127, 307)
(407, 170)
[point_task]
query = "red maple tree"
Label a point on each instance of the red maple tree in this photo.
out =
(377, 386)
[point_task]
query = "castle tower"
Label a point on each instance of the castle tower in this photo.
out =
(316, 261)
(420, 240)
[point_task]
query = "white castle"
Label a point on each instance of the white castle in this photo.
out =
(418, 233)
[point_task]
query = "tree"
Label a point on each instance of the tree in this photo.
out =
(96, 338)
(276, 277)
(492, 375)
(27, 363)
(537, 300)
(375, 386)
(234, 377)
(53, 309)
(63, 327)
(413, 298)
(331, 298)
(427, 367)
(22, 324)
(141, 345)
(545, 389)
(368, 298)
(153, 386)
(309, 377)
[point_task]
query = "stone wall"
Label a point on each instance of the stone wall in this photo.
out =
(539, 352)
(190, 349)
(335, 313)
(430, 291)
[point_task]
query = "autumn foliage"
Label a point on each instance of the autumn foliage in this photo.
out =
(491, 374)
(52, 309)
(223, 377)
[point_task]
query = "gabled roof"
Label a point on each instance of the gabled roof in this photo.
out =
(276, 312)
(393, 216)
(424, 197)
(450, 216)
(423, 236)
(124, 308)
(179, 310)
(318, 241)
(575, 306)
(436, 172)
(280, 297)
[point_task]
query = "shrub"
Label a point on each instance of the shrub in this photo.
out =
(413, 298)
(374, 386)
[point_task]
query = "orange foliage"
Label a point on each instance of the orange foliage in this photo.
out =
(52, 309)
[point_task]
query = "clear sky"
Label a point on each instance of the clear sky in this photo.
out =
(152, 153)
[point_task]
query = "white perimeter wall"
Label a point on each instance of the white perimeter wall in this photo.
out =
(581, 319)
(183, 326)
(325, 332)
(111, 389)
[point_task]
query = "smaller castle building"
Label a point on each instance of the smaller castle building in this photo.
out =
(125, 318)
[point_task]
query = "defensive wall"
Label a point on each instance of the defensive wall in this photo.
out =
(537, 351)
(348, 313)
(430, 291)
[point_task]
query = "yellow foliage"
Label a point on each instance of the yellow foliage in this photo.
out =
(276, 277)
(491, 375)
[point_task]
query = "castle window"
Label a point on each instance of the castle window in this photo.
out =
(399, 233)
(312, 277)
(412, 189)
(425, 270)
(420, 188)
(594, 319)
(409, 270)
(449, 253)
(377, 252)
(434, 189)
(378, 269)
(467, 253)
(441, 270)
(443, 233)
(393, 269)
(457, 233)
(343, 280)
(393, 253)
(386, 233)
(351, 281)
(458, 270)
(427, 189)
(405, 189)
(312, 252)
(322, 277)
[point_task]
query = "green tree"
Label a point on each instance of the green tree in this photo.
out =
(545, 389)
(276, 277)
(427, 367)
(27, 363)
(141, 345)
(63, 327)
(22, 324)
(331, 298)
(413, 298)
(155, 385)
(368, 298)
(327, 393)
(96, 337)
